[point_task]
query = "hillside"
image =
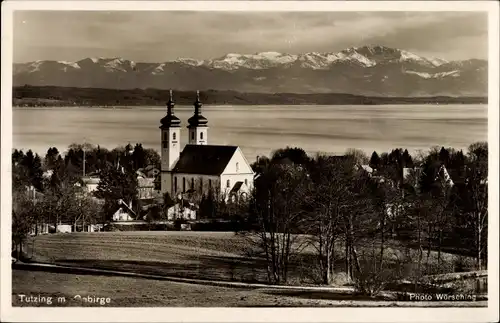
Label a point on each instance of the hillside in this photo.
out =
(68, 96)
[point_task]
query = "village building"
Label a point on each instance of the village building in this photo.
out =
(146, 183)
(90, 183)
(200, 168)
(124, 212)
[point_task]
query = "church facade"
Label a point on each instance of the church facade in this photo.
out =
(200, 168)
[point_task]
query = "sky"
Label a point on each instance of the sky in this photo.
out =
(161, 36)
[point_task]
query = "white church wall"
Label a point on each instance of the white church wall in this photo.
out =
(238, 164)
(188, 178)
(247, 180)
(237, 170)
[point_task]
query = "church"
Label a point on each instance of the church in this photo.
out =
(200, 167)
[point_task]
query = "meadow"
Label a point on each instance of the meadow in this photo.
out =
(223, 256)
(205, 255)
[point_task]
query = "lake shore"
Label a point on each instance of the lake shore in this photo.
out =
(49, 96)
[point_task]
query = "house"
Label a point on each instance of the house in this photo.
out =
(90, 183)
(124, 212)
(200, 167)
(179, 211)
(146, 187)
(34, 194)
(149, 171)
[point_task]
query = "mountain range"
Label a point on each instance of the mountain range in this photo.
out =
(368, 70)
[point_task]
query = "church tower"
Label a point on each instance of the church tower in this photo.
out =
(198, 129)
(170, 145)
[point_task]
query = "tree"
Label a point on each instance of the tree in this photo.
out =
(261, 165)
(17, 157)
(20, 176)
(139, 157)
(114, 185)
(28, 170)
(51, 158)
(295, 155)
(151, 157)
(374, 160)
(25, 212)
(275, 208)
(328, 199)
(358, 155)
(475, 198)
(407, 159)
(87, 211)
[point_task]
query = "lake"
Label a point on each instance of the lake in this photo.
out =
(259, 130)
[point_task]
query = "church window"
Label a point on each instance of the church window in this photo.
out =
(173, 136)
(192, 135)
(192, 183)
(165, 136)
(201, 135)
(183, 184)
(246, 181)
(165, 144)
(175, 184)
(228, 184)
(237, 167)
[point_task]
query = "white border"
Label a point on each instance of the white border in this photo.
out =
(13, 314)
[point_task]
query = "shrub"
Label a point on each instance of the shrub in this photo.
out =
(463, 264)
(370, 283)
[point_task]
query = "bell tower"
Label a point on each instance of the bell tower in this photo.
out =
(170, 145)
(198, 129)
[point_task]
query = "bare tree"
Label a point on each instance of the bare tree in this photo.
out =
(359, 156)
(25, 213)
(476, 197)
(276, 207)
(328, 199)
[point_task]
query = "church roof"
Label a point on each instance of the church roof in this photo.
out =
(204, 159)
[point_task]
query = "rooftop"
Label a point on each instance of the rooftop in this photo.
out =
(204, 159)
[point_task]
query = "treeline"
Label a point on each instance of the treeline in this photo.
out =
(67, 96)
(385, 225)
(28, 167)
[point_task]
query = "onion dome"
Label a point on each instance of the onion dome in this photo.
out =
(170, 120)
(197, 120)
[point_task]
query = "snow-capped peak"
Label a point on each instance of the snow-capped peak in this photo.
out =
(189, 61)
(365, 57)
(72, 64)
(118, 64)
(424, 75)
(96, 59)
(437, 61)
(406, 56)
(268, 54)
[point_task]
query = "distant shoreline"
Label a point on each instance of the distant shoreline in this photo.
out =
(52, 96)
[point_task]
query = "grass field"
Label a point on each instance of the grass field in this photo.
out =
(203, 255)
(132, 292)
